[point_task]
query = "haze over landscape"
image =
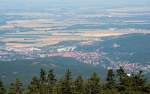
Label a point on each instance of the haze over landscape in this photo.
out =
(84, 35)
(45, 4)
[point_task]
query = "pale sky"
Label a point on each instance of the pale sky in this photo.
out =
(79, 3)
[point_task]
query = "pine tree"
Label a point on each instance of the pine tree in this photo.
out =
(66, 83)
(138, 82)
(43, 82)
(51, 81)
(79, 85)
(51, 77)
(34, 86)
(59, 85)
(47, 84)
(93, 85)
(110, 86)
(15, 87)
(42, 76)
(2, 89)
(122, 79)
(110, 79)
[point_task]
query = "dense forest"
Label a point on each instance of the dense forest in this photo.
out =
(117, 82)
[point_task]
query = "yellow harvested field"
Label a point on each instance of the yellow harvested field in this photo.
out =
(18, 45)
(51, 38)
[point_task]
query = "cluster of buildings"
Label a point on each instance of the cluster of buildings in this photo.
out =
(84, 57)
(93, 58)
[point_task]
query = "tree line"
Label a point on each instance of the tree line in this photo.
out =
(117, 82)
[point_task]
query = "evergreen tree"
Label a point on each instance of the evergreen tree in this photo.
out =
(43, 82)
(51, 81)
(47, 84)
(122, 79)
(134, 84)
(110, 86)
(59, 85)
(34, 86)
(93, 85)
(66, 83)
(2, 89)
(79, 85)
(15, 87)
(42, 76)
(51, 77)
(110, 79)
(138, 82)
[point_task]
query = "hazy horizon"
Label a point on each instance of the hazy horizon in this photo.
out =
(40, 4)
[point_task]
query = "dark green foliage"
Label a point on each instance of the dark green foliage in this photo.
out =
(131, 84)
(110, 91)
(51, 80)
(137, 83)
(93, 85)
(2, 88)
(66, 86)
(110, 79)
(34, 86)
(43, 82)
(51, 77)
(118, 82)
(15, 87)
(79, 85)
(42, 76)
(122, 79)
